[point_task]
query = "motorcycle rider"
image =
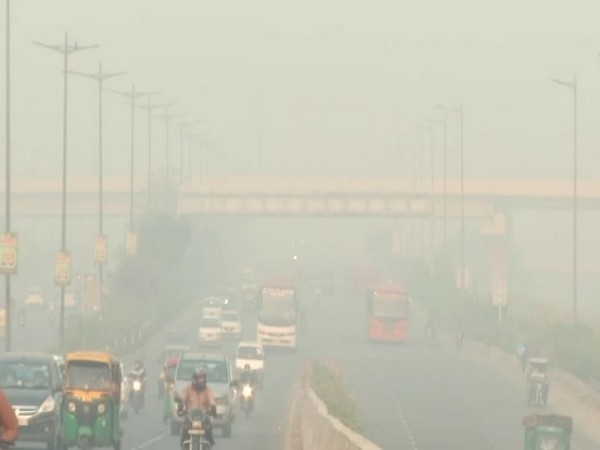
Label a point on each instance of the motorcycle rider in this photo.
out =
(138, 372)
(247, 376)
(197, 395)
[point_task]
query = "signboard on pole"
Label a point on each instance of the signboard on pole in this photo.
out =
(62, 273)
(101, 250)
(463, 281)
(9, 243)
(499, 293)
(131, 246)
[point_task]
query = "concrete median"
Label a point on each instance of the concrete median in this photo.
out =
(310, 426)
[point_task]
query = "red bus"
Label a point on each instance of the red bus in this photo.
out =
(387, 306)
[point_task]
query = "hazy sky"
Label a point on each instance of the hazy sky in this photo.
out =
(341, 82)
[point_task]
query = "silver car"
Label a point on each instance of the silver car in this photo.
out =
(220, 379)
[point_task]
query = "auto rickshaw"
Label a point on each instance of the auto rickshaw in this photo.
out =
(547, 432)
(91, 402)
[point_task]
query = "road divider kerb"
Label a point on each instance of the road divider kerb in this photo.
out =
(311, 426)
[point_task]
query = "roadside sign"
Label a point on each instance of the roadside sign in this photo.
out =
(499, 293)
(131, 246)
(63, 269)
(101, 250)
(463, 282)
(9, 244)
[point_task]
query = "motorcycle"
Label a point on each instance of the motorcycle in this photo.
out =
(137, 395)
(196, 427)
(196, 424)
(247, 399)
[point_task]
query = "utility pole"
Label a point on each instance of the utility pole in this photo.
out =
(459, 111)
(7, 285)
(572, 85)
(100, 77)
(132, 96)
(149, 108)
(66, 50)
(167, 118)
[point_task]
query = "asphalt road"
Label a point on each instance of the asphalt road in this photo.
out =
(417, 396)
(412, 396)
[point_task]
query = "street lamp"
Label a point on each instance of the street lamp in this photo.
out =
(7, 294)
(444, 125)
(100, 77)
(65, 49)
(149, 108)
(429, 129)
(167, 118)
(133, 96)
(573, 86)
(189, 136)
(460, 112)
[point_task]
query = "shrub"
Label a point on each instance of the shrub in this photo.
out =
(330, 388)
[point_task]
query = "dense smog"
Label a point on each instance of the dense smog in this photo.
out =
(299, 225)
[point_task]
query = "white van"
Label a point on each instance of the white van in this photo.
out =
(253, 354)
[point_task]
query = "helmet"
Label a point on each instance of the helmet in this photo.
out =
(199, 373)
(138, 365)
(199, 379)
(247, 368)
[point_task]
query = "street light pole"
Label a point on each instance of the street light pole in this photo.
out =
(65, 49)
(573, 86)
(149, 108)
(100, 77)
(7, 293)
(167, 117)
(443, 124)
(460, 112)
(132, 96)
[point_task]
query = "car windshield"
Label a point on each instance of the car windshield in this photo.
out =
(230, 317)
(209, 322)
(216, 371)
(24, 375)
(250, 352)
(88, 375)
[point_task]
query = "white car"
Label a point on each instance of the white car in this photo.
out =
(34, 297)
(253, 354)
(232, 324)
(210, 331)
(213, 306)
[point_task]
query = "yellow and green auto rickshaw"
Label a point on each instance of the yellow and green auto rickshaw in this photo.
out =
(91, 401)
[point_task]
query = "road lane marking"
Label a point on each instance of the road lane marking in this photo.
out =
(407, 430)
(150, 442)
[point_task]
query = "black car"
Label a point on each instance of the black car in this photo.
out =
(32, 384)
